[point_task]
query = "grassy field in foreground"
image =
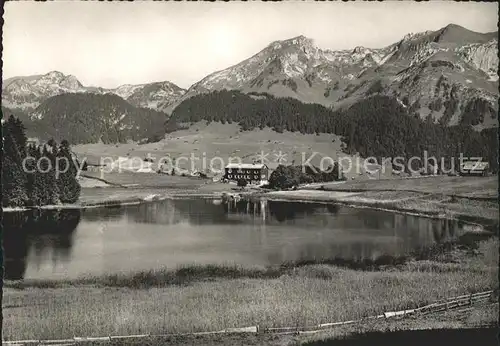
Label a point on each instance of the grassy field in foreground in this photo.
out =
(391, 331)
(226, 297)
(466, 326)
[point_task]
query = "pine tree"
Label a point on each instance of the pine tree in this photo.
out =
(50, 190)
(16, 128)
(14, 181)
(34, 178)
(68, 186)
(29, 174)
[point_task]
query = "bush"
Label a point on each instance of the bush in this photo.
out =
(285, 177)
(242, 183)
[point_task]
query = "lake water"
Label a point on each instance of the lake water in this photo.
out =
(73, 243)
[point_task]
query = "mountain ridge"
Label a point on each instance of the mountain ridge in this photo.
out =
(90, 118)
(466, 59)
(438, 72)
(28, 92)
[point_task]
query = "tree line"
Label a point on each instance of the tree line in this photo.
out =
(285, 177)
(36, 175)
(90, 118)
(377, 126)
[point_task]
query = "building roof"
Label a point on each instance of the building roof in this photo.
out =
(475, 165)
(245, 165)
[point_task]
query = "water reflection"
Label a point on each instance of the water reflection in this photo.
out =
(41, 236)
(71, 243)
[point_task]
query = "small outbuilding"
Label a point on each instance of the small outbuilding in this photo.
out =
(474, 168)
(33, 141)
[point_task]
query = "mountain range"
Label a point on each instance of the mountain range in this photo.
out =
(441, 75)
(27, 93)
(437, 72)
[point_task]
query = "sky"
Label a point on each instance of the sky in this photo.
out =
(108, 44)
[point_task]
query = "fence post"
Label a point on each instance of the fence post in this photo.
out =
(470, 299)
(446, 300)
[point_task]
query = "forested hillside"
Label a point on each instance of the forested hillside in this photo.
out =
(377, 126)
(90, 118)
(35, 181)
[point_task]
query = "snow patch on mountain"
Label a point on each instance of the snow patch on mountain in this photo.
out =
(295, 58)
(483, 56)
(292, 66)
(401, 102)
(156, 96)
(425, 53)
(126, 90)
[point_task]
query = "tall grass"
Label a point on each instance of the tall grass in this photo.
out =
(207, 298)
(315, 295)
(484, 316)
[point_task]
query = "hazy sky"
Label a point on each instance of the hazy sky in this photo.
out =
(112, 43)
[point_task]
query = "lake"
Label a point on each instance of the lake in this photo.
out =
(57, 244)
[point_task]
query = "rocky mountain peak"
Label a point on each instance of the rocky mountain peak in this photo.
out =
(456, 34)
(71, 82)
(54, 75)
(26, 93)
(301, 41)
(410, 68)
(358, 50)
(297, 68)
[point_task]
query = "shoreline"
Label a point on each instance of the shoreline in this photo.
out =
(132, 200)
(418, 210)
(418, 206)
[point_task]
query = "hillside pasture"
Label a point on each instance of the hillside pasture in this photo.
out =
(217, 144)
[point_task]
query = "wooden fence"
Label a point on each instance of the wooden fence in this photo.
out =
(443, 305)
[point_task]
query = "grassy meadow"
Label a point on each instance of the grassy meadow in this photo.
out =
(209, 298)
(225, 141)
(465, 187)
